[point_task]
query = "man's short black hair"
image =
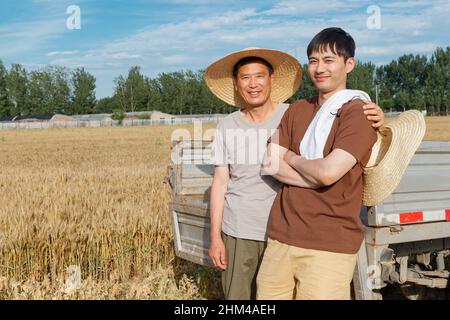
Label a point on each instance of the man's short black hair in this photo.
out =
(339, 42)
(248, 60)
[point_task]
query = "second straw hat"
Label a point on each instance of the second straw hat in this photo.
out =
(397, 142)
(287, 75)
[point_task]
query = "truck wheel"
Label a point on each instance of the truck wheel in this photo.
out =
(413, 291)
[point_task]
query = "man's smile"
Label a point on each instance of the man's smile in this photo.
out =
(321, 78)
(254, 94)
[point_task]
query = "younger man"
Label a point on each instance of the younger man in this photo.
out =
(319, 151)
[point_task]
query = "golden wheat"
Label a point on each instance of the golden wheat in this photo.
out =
(93, 198)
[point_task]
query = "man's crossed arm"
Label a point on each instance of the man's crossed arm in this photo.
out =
(292, 169)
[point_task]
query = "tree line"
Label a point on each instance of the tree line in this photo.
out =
(51, 90)
(409, 82)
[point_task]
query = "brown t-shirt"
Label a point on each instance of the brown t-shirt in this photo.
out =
(326, 218)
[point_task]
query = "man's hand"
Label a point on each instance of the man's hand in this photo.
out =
(374, 113)
(288, 157)
(217, 253)
(271, 161)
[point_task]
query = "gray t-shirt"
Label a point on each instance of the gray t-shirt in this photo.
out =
(241, 145)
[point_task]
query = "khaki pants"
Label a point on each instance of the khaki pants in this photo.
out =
(243, 260)
(289, 272)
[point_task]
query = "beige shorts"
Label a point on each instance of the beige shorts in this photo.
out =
(289, 272)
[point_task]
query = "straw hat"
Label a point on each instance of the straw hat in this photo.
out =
(287, 75)
(397, 142)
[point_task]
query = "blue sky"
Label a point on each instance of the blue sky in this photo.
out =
(171, 35)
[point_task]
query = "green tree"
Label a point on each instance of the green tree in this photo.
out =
(306, 89)
(363, 78)
(173, 92)
(83, 98)
(120, 92)
(49, 91)
(385, 97)
(39, 97)
(136, 89)
(17, 82)
(406, 78)
(437, 83)
(107, 105)
(5, 106)
(131, 92)
(60, 90)
(185, 92)
(118, 114)
(153, 94)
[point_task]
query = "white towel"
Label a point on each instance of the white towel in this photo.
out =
(312, 144)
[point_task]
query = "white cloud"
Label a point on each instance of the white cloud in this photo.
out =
(23, 37)
(33, 66)
(393, 49)
(295, 7)
(169, 44)
(125, 56)
(407, 4)
(372, 50)
(62, 53)
(177, 59)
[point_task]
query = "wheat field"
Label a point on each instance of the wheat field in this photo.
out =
(94, 201)
(92, 198)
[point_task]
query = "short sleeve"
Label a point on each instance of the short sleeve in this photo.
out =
(282, 135)
(219, 155)
(355, 133)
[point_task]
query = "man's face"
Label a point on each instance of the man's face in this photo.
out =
(328, 71)
(253, 83)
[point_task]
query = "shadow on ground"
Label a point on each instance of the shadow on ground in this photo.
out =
(206, 278)
(394, 292)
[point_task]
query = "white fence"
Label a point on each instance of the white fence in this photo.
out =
(102, 123)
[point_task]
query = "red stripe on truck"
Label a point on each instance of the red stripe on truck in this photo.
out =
(447, 214)
(411, 217)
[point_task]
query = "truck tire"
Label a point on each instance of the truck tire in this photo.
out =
(412, 291)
